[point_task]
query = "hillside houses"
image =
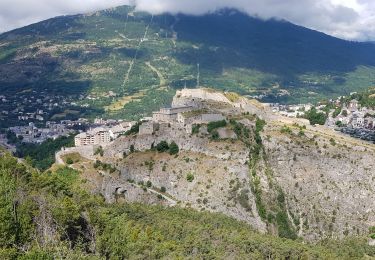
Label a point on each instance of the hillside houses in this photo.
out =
(103, 132)
(355, 116)
(96, 136)
(33, 134)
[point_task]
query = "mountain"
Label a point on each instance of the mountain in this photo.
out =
(129, 63)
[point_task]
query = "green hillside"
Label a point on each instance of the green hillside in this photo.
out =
(51, 216)
(143, 59)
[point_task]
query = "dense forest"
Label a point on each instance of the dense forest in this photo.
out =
(51, 216)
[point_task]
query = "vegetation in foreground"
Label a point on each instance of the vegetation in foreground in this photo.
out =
(50, 215)
(42, 156)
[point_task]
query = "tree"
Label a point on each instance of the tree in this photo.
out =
(99, 151)
(173, 148)
(316, 117)
(190, 177)
(132, 149)
(69, 161)
(162, 147)
(215, 135)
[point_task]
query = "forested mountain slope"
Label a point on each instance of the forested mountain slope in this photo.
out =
(131, 62)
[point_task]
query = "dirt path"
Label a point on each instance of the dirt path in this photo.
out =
(167, 198)
(163, 81)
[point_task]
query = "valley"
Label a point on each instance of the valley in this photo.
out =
(134, 135)
(126, 52)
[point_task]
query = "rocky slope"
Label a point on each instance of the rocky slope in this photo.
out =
(284, 177)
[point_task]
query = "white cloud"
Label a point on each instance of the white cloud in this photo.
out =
(349, 19)
(17, 13)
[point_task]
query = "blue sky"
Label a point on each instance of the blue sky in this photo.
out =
(347, 19)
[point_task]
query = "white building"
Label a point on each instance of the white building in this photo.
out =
(96, 136)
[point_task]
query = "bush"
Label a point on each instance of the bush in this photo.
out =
(215, 135)
(134, 129)
(315, 117)
(69, 161)
(190, 177)
(195, 129)
(163, 189)
(372, 232)
(214, 125)
(173, 149)
(149, 184)
(99, 151)
(162, 147)
(286, 130)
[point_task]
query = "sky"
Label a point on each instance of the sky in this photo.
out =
(346, 19)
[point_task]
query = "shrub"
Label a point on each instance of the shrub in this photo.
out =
(286, 130)
(163, 189)
(214, 125)
(99, 151)
(332, 141)
(190, 177)
(162, 147)
(316, 117)
(215, 135)
(173, 149)
(372, 232)
(134, 129)
(195, 129)
(149, 184)
(69, 161)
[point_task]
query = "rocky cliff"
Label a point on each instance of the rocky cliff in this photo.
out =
(280, 175)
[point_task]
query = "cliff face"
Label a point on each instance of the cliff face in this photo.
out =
(329, 183)
(285, 177)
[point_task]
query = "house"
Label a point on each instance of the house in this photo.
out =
(353, 105)
(357, 121)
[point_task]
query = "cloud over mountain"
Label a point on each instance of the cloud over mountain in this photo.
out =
(349, 19)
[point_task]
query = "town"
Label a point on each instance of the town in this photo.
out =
(183, 115)
(348, 117)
